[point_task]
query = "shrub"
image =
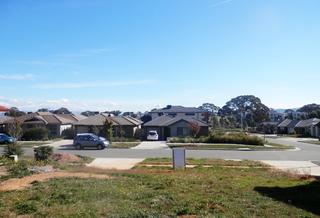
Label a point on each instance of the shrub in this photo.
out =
(35, 134)
(12, 149)
(235, 138)
(68, 133)
(43, 153)
(19, 170)
(27, 207)
(219, 137)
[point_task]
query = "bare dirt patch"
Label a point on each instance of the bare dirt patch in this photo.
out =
(18, 184)
(3, 171)
(65, 158)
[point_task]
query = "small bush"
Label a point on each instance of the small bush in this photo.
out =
(28, 207)
(19, 170)
(43, 153)
(12, 149)
(68, 133)
(35, 134)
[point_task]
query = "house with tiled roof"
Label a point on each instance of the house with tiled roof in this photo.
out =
(177, 126)
(287, 126)
(123, 126)
(54, 123)
(178, 111)
(308, 127)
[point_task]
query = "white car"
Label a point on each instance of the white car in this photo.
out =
(153, 136)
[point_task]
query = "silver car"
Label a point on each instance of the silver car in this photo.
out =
(89, 140)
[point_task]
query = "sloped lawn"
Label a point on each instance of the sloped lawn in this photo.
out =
(244, 190)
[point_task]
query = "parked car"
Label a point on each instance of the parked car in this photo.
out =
(5, 139)
(87, 140)
(153, 136)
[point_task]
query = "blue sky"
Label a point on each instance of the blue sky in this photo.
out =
(137, 55)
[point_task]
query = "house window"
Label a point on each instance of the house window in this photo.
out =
(160, 114)
(190, 114)
(172, 114)
(182, 131)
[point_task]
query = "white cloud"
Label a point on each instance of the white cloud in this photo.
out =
(16, 76)
(80, 105)
(82, 85)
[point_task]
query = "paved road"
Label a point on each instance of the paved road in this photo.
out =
(307, 152)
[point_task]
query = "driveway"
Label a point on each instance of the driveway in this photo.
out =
(152, 145)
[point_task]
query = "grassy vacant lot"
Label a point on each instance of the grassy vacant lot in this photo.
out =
(226, 189)
(211, 146)
(124, 144)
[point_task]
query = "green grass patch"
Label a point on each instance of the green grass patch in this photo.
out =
(193, 161)
(211, 146)
(124, 144)
(205, 192)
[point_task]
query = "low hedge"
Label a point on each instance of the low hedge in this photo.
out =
(238, 138)
(35, 134)
(69, 133)
(227, 138)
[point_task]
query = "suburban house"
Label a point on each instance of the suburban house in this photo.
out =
(287, 126)
(268, 127)
(315, 131)
(308, 127)
(175, 111)
(54, 123)
(275, 116)
(168, 126)
(3, 121)
(123, 126)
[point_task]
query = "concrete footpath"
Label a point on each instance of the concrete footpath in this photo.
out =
(115, 163)
(156, 145)
(296, 167)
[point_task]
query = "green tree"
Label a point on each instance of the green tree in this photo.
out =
(194, 128)
(14, 129)
(215, 122)
(246, 108)
(62, 110)
(312, 110)
(15, 112)
(210, 108)
(108, 129)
